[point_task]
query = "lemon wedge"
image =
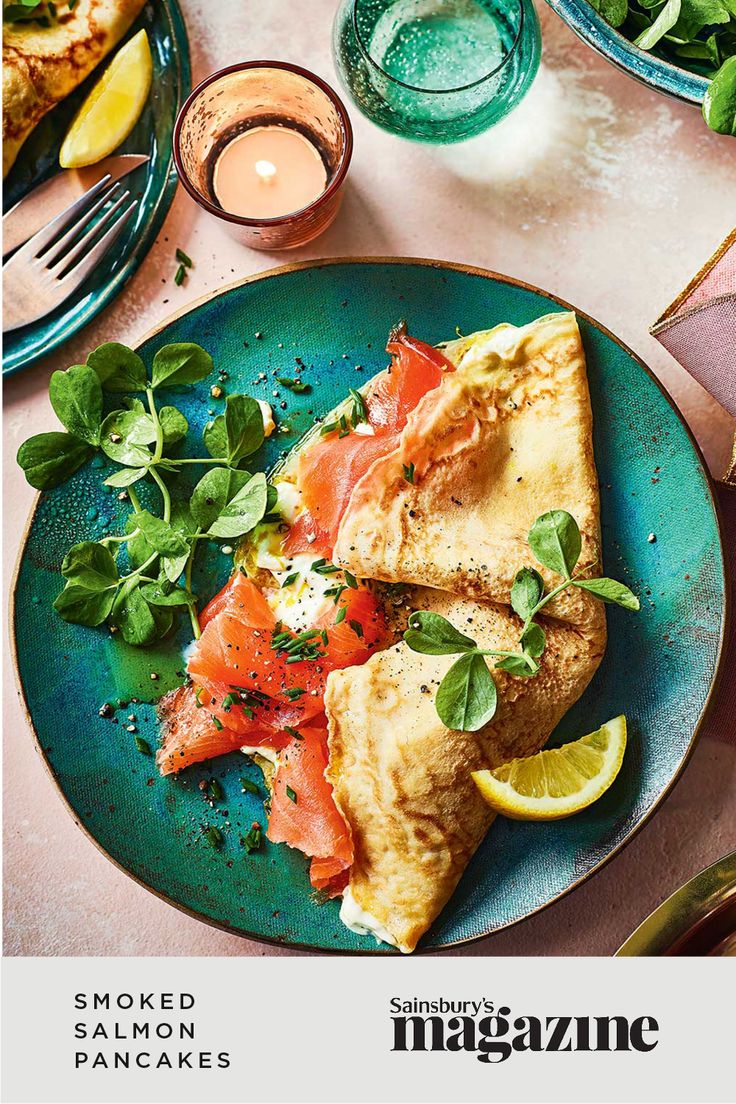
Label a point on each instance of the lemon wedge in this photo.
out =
(558, 782)
(112, 108)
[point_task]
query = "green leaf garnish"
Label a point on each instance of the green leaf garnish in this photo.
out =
(181, 363)
(555, 540)
(609, 590)
(466, 698)
(433, 634)
(76, 397)
(161, 536)
(244, 510)
(90, 565)
(526, 591)
(118, 367)
(49, 459)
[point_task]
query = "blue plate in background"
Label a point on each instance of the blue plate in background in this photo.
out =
(154, 183)
(659, 669)
(643, 65)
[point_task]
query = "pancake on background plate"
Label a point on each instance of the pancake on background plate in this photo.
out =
(43, 64)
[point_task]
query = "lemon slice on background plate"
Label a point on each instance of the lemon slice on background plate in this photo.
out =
(556, 783)
(112, 108)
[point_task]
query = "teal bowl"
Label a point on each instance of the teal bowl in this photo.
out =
(645, 67)
(659, 667)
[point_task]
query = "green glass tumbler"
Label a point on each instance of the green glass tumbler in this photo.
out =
(436, 70)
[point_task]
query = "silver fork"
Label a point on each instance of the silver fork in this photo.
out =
(49, 267)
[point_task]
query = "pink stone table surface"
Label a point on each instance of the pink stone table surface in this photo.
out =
(596, 189)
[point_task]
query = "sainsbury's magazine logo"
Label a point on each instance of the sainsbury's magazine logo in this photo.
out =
(494, 1033)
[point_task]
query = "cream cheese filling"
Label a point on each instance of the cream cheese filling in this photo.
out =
(361, 922)
(265, 753)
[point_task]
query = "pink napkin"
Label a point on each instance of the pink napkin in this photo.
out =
(699, 329)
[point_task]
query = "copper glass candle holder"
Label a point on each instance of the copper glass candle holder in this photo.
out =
(255, 94)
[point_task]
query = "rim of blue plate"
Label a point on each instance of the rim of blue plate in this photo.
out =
(471, 270)
(159, 211)
(655, 72)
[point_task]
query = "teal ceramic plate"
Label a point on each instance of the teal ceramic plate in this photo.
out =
(659, 667)
(154, 184)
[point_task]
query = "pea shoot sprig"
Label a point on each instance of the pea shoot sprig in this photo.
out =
(467, 697)
(140, 593)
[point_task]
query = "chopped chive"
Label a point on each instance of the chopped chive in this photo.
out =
(360, 410)
(180, 274)
(217, 723)
(408, 472)
(351, 580)
(340, 615)
(183, 259)
(254, 838)
(295, 385)
(143, 746)
(198, 697)
(216, 791)
(291, 794)
(290, 579)
(344, 427)
(229, 701)
(249, 787)
(335, 592)
(293, 732)
(324, 637)
(328, 427)
(316, 564)
(357, 628)
(294, 692)
(214, 836)
(325, 569)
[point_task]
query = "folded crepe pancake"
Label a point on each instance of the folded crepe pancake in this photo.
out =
(507, 436)
(42, 65)
(500, 441)
(403, 781)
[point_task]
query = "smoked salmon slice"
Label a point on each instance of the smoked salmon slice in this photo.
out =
(328, 469)
(416, 368)
(303, 810)
(245, 691)
(188, 734)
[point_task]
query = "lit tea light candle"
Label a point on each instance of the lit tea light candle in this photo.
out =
(264, 147)
(267, 172)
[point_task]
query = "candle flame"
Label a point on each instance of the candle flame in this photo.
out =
(266, 170)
